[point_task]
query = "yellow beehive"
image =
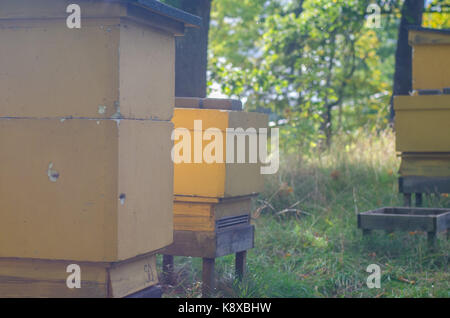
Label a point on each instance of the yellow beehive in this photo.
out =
(431, 63)
(220, 178)
(422, 123)
(85, 168)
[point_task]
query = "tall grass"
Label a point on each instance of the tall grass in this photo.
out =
(307, 242)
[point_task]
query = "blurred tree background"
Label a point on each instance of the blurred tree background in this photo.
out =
(320, 68)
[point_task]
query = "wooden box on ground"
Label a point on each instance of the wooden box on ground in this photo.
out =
(219, 178)
(422, 123)
(405, 219)
(431, 63)
(45, 278)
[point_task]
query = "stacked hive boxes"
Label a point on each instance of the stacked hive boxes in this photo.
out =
(423, 120)
(213, 199)
(85, 170)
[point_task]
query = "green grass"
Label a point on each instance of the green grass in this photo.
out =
(307, 242)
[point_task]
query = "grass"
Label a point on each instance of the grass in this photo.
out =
(307, 243)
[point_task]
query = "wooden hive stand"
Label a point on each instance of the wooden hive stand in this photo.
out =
(210, 228)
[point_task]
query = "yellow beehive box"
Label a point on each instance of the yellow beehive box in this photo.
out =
(88, 190)
(38, 278)
(422, 123)
(431, 63)
(198, 176)
(425, 165)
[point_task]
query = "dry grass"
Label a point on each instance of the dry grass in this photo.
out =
(307, 241)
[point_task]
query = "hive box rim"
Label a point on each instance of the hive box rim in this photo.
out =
(376, 220)
(379, 211)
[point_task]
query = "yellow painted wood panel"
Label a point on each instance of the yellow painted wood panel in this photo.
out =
(211, 118)
(422, 123)
(193, 217)
(74, 216)
(184, 198)
(110, 67)
(431, 67)
(431, 64)
(41, 278)
(425, 165)
(236, 207)
(217, 179)
(38, 81)
(131, 276)
(147, 72)
(61, 184)
(145, 179)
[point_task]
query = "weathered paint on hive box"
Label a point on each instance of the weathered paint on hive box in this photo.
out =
(113, 65)
(89, 190)
(201, 214)
(431, 63)
(422, 123)
(217, 179)
(44, 278)
(425, 165)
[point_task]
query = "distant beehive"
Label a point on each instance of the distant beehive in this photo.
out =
(213, 200)
(85, 169)
(423, 119)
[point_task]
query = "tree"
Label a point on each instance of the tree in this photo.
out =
(192, 51)
(304, 60)
(412, 12)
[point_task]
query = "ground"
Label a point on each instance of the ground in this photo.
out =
(307, 243)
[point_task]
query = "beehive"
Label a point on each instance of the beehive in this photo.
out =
(422, 123)
(214, 185)
(431, 65)
(422, 120)
(85, 168)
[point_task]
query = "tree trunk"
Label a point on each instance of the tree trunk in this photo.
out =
(412, 11)
(192, 52)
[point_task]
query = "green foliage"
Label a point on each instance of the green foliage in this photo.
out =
(304, 64)
(437, 15)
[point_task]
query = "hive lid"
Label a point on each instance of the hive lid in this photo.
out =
(152, 12)
(422, 29)
(208, 103)
(172, 13)
(421, 35)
